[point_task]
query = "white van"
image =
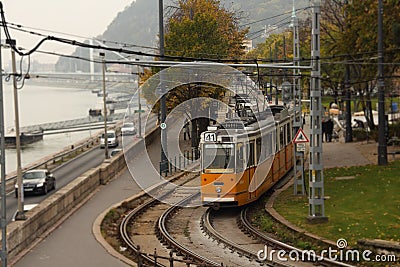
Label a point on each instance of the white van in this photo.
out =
(112, 139)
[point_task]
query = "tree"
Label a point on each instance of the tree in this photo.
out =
(349, 33)
(204, 29)
(201, 29)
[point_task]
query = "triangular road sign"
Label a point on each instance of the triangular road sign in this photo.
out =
(300, 137)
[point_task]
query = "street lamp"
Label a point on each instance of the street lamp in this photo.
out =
(382, 148)
(163, 108)
(20, 213)
(3, 173)
(139, 105)
(102, 55)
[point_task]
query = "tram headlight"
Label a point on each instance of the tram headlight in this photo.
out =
(218, 190)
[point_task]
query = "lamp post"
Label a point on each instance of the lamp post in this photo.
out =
(382, 148)
(106, 156)
(3, 174)
(139, 105)
(163, 109)
(20, 212)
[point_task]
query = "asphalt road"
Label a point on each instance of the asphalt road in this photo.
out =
(72, 243)
(63, 175)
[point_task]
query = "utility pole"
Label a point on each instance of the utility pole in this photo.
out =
(298, 168)
(102, 55)
(382, 148)
(349, 130)
(163, 110)
(3, 172)
(20, 212)
(139, 105)
(316, 175)
(276, 88)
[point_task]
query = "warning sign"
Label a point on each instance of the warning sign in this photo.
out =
(300, 137)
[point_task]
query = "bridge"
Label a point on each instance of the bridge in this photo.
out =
(85, 123)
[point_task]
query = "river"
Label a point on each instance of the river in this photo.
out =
(43, 104)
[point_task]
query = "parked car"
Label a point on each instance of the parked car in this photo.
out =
(38, 181)
(128, 128)
(112, 139)
(115, 152)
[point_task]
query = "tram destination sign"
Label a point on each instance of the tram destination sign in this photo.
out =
(210, 137)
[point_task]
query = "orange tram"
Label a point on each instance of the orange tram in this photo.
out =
(242, 159)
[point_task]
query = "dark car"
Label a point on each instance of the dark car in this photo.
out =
(39, 181)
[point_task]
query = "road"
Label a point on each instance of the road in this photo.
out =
(72, 243)
(63, 175)
(67, 172)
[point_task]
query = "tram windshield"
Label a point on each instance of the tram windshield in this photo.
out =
(218, 158)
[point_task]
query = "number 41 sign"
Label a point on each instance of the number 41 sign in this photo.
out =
(210, 137)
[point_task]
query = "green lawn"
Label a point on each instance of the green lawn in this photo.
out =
(367, 206)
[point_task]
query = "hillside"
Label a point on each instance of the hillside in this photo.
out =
(138, 24)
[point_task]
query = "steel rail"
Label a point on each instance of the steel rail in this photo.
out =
(167, 238)
(246, 225)
(123, 230)
(207, 226)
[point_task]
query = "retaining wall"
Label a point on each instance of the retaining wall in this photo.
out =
(21, 234)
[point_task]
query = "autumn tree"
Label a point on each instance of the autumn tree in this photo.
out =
(349, 35)
(201, 29)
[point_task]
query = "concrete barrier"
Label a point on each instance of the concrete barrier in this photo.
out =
(21, 234)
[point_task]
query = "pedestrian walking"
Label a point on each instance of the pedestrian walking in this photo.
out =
(323, 130)
(329, 130)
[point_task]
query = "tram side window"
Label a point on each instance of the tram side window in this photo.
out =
(218, 157)
(281, 137)
(258, 150)
(239, 157)
(269, 144)
(251, 154)
(288, 134)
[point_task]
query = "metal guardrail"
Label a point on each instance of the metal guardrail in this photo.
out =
(61, 156)
(179, 163)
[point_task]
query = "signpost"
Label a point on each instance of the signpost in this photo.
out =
(300, 137)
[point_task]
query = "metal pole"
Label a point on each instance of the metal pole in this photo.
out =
(3, 173)
(276, 88)
(349, 130)
(106, 156)
(163, 110)
(298, 167)
(382, 149)
(139, 106)
(20, 212)
(316, 198)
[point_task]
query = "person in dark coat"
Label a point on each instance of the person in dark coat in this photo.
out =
(323, 130)
(329, 130)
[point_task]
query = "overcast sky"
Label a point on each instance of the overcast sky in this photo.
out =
(87, 18)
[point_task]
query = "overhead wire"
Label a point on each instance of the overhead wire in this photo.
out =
(130, 52)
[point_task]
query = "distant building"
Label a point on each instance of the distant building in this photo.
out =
(248, 45)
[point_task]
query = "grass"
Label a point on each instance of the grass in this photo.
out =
(367, 206)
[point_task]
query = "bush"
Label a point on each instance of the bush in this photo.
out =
(360, 134)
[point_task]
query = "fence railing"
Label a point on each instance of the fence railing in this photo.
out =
(179, 163)
(61, 157)
(171, 259)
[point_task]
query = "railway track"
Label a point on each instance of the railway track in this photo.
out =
(148, 223)
(221, 227)
(245, 224)
(163, 234)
